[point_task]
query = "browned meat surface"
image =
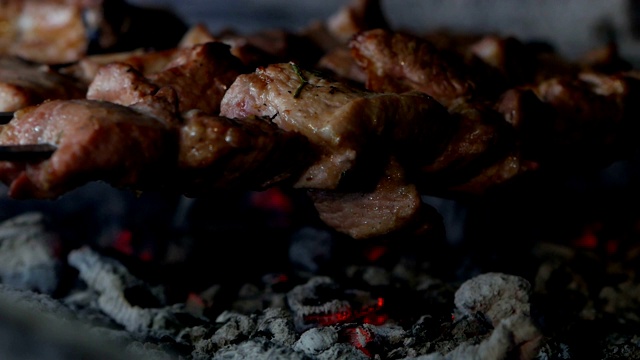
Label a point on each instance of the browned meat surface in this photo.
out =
(513, 60)
(341, 64)
(199, 75)
(482, 152)
(531, 119)
(357, 16)
(593, 117)
(217, 152)
(43, 31)
(345, 124)
(393, 204)
(397, 62)
(63, 31)
(146, 62)
(23, 83)
(95, 141)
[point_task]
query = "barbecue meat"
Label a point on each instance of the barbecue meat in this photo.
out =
(64, 31)
(44, 31)
(221, 153)
(347, 126)
(95, 141)
(200, 75)
(397, 62)
(392, 205)
(24, 83)
(593, 116)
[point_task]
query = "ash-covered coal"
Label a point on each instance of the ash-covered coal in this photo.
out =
(377, 310)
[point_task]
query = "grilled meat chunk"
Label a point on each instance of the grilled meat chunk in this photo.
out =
(59, 32)
(200, 75)
(23, 83)
(217, 152)
(392, 205)
(348, 126)
(592, 116)
(95, 140)
(397, 62)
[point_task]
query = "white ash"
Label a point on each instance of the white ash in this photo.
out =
(298, 300)
(342, 351)
(110, 279)
(257, 348)
(269, 335)
(316, 340)
(495, 295)
(36, 326)
(622, 300)
(27, 254)
(277, 323)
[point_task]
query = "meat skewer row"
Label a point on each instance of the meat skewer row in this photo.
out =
(431, 128)
(357, 152)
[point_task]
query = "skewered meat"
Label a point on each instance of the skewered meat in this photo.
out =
(23, 83)
(393, 204)
(347, 125)
(200, 75)
(397, 62)
(146, 147)
(94, 140)
(422, 117)
(251, 153)
(58, 32)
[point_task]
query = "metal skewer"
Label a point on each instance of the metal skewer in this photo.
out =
(26, 153)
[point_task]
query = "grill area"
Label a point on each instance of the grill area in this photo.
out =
(264, 281)
(544, 267)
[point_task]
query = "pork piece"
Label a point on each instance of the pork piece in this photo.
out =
(200, 75)
(95, 140)
(531, 119)
(483, 151)
(59, 32)
(513, 60)
(392, 205)
(44, 31)
(24, 83)
(221, 153)
(357, 16)
(268, 46)
(146, 62)
(333, 37)
(397, 62)
(341, 64)
(593, 117)
(348, 126)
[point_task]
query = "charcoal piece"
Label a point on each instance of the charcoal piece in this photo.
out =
(278, 324)
(115, 286)
(257, 348)
(28, 254)
(316, 340)
(495, 295)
